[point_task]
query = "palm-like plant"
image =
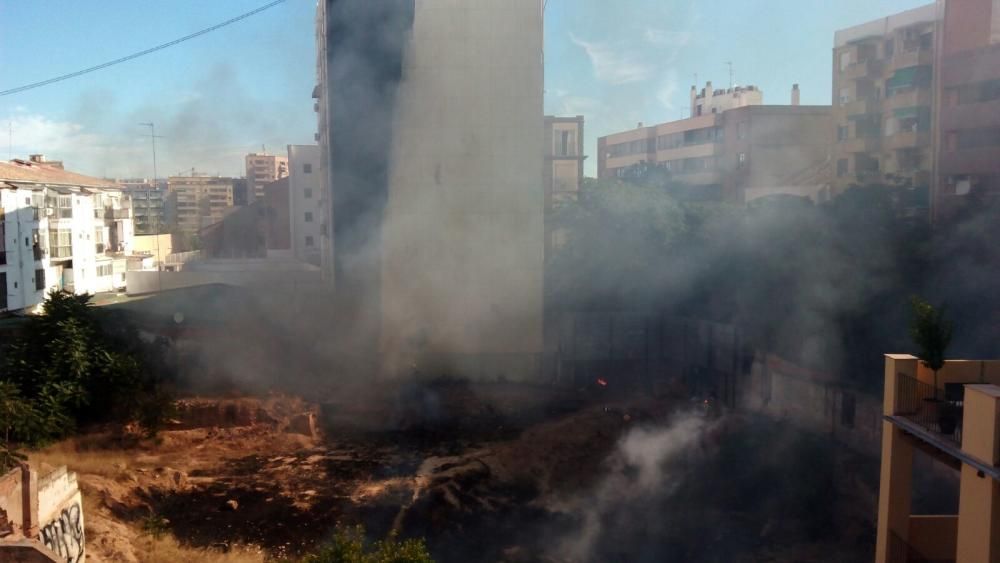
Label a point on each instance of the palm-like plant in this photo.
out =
(932, 333)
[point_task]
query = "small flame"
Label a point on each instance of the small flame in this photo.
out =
(602, 382)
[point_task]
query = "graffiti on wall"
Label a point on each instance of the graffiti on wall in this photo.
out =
(64, 535)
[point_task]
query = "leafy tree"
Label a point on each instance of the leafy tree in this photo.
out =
(70, 367)
(931, 332)
(350, 546)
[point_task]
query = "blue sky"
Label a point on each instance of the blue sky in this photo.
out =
(222, 95)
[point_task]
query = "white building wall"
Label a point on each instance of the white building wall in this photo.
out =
(306, 194)
(463, 238)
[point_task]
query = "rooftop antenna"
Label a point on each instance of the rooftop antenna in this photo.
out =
(159, 268)
(732, 75)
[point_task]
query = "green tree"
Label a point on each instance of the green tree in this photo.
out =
(931, 333)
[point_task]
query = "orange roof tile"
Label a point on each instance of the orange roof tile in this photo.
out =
(23, 171)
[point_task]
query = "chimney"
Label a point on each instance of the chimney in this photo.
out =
(795, 94)
(708, 90)
(639, 126)
(37, 158)
(694, 98)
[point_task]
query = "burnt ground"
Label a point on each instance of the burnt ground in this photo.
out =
(484, 473)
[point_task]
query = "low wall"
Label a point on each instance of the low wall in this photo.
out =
(60, 515)
(289, 283)
(45, 512)
(815, 401)
(933, 538)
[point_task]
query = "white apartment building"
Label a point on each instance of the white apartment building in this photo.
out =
(309, 219)
(59, 230)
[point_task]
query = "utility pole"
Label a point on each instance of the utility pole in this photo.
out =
(159, 256)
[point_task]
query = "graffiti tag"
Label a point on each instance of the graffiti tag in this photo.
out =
(64, 535)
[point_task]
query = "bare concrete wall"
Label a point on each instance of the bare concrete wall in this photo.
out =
(463, 235)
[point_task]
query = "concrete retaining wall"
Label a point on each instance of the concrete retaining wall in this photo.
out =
(41, 517)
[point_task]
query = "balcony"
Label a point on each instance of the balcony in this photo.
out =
(914, 97)
(913, 57)
(865, 69)
(862, 106)
(860, 144)
(907, 140)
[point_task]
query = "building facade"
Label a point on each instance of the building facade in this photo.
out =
(307, 204)
(59, 230)
(263, 169)
(564, 158)
(734, 154)
(710, 100)
(968, 135)
(883, 73)
(149, 204)
(195, 202)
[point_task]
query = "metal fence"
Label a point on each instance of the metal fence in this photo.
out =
(934, 409)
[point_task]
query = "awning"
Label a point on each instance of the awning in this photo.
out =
(908, 77)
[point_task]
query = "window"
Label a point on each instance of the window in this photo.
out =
(979, 138)
(845, 60)
(307, 168)
(309, 217)
(39, 280)
(99, 240)
(742, 162)
(3, 239)
(307, 193)
(3, 291)
(61, 243)
(841, 133)
(845, 96)
(104, 270)
(310, 242)
(36, 246)
(890, 48)
(741, 130)
(64, 204)
(842, 168)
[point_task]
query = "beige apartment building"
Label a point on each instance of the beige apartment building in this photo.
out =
(883, 99)
(564, 159)
(195, 202)
(262, 169)
(711, 100)
(736, 152)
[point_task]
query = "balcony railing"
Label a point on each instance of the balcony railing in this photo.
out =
(936, 410)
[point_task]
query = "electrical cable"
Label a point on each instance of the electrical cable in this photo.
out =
(139, 54)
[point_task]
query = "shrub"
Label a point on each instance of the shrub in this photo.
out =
(350, 546)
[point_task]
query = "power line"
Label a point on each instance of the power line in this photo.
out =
(140, 53)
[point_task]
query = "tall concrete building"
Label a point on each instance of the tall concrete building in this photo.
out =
(434, 147)
(148, 204)
(969, 107)
(262, 169)
(883, 99)
(736, 154)
(307, 201)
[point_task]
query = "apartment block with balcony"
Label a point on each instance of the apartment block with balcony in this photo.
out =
(953, 417)
(149, 211)
(196, 202)
(736, 154)
(262, 169)
(308, 201)
(59, 230)
(883, 102)
(969, 107)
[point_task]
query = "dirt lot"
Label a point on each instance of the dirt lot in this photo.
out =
(245, 474)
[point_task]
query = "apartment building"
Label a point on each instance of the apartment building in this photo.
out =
(307, 204)
(736, 154)
(968, 107)
(149, 204)
(883, 97)
(59, 230)
(952, 417)
(263, 169)
(564, 159)
(195, 202)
